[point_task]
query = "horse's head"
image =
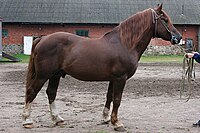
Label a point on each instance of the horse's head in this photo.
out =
(163, 26)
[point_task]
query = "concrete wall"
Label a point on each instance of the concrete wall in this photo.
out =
(13, 48)
(190, 32)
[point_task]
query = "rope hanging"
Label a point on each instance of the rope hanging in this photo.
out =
(187, 77)
(188, 69)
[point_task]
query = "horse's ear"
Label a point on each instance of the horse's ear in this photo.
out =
(159, 8)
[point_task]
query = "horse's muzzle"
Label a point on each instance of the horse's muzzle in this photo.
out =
(176, 39)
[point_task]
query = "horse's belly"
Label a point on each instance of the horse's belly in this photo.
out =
(89, 76)
(89, 72)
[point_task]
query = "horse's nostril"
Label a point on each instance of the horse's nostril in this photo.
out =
(175, 40)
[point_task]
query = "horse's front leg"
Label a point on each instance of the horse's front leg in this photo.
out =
(118, 87)
(55, 115)
(109, 98)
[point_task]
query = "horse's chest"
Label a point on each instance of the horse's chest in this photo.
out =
(124, 68)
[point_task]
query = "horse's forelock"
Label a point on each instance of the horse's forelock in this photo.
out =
(132, 28)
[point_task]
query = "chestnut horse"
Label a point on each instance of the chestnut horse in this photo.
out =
(113, 57)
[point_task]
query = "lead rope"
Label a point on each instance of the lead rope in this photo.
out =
(187, 74)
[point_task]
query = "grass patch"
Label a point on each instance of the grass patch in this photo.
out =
(22, 57)
(162, 59)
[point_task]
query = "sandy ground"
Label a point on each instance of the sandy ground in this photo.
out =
(150, 103)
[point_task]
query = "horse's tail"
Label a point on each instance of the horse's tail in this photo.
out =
(31, 66)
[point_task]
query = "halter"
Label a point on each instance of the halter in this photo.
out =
(157, 17)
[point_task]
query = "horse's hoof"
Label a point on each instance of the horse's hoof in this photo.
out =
(28, 123)
(59, 123)
(106, 121)
(29, 126)
(120, 129)
(197, 124)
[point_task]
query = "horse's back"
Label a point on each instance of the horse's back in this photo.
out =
(56, 42)
(62, 37)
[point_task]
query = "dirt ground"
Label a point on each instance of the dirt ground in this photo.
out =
(150, 104)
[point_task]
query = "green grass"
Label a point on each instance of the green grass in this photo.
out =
(144, 59)
(24, 58)
(162, 59)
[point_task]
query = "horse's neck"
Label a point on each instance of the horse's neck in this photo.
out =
(138, 48)
(136, 32)
(142, 44)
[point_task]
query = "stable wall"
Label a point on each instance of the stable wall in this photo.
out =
(13, 42)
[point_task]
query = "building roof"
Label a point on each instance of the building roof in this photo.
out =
(94, 11)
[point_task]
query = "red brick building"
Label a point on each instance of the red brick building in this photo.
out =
(17, 32)
(93, 18)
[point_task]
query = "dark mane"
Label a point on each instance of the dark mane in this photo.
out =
(132, 28)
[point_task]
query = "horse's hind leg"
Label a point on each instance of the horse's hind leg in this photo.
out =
(109, 98)
(31, 93)
(51, 93)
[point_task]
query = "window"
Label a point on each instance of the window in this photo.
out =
(4, 33)
(82, 32)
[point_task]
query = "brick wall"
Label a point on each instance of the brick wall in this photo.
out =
(190, 32)
(16, 32)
